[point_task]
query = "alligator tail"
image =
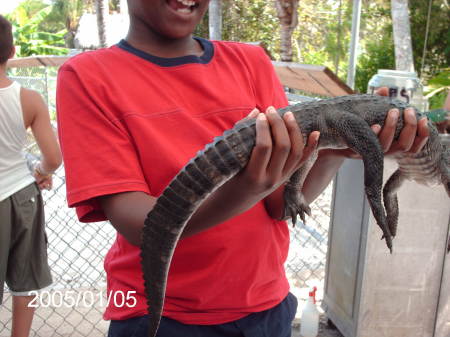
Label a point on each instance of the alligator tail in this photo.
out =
(212, 167)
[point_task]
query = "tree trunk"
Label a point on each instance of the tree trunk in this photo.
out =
(402, 35)
(354, 41)
(215, 20)
(338, 43)
(288, 15)
(72, 11)
(102, 7)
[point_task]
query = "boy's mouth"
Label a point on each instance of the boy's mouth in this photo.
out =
(183, 6)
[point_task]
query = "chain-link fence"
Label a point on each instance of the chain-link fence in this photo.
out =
(74, 303)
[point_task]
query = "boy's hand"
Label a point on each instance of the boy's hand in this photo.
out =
(279, 151)
(412, 138)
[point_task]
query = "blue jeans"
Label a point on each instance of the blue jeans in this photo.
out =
(274, 322)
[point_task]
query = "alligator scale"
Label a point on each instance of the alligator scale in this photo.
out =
(343, 122)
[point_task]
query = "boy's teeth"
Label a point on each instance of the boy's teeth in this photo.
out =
(187, 2)
(184, 10)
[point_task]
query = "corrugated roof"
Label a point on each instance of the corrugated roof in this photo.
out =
(318, 80)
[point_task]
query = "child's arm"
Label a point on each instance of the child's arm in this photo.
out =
(279, 151)
(36, 116)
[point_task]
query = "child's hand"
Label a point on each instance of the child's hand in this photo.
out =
(412, 138)
(279, 151)
(414, 134)
(44, 181)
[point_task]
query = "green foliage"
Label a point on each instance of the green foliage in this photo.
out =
(114, 5)
(322, 35)
(247, 21)
(66, 15)
(440, 80)
(438, 99)
(337, 39)
(378, 54)
(28, 38)
(26, 10)
(437, 89)
(438, 45)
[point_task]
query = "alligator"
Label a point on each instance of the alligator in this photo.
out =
(343, 122)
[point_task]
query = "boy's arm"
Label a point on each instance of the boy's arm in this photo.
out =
(279, 151)
(37, 117)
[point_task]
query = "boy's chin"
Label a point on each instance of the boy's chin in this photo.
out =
(178, 34)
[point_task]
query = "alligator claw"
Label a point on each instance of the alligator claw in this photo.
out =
(295, 204)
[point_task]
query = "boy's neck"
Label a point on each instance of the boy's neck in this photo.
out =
(4, 80)
(165, 48)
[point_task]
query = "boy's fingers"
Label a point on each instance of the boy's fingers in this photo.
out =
(376, 128)
(262, 150)
(281, 143)
(313, 140)
(383, 91)
(408, 133)
(422, 136)
(296, 139)
(386, 135)
(253, 114)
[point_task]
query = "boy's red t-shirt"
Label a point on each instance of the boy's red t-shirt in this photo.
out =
(129, 121)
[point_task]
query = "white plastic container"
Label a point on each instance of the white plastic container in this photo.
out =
(309, 323)
(402, 85)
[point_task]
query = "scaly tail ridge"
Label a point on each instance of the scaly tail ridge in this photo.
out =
(212, 167)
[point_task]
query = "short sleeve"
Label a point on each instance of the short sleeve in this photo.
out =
(269, 91)
(98, 152)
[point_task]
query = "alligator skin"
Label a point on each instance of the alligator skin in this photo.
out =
(343, 122)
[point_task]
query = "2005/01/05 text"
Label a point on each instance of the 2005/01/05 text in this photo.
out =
(86, 298)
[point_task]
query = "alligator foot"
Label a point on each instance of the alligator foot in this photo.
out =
(295, 204)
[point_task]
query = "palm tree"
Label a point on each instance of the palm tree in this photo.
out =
(288, 15)
(215, 20)
(102, 9)
(402, 35)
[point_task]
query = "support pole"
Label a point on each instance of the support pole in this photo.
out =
(356, 18)
(402, 35)
(215, 20)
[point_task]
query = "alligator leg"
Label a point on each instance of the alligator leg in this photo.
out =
(294, 200)
(390, 199)
(360, 138)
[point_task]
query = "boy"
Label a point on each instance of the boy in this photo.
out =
(132, 115)
(23, 246)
